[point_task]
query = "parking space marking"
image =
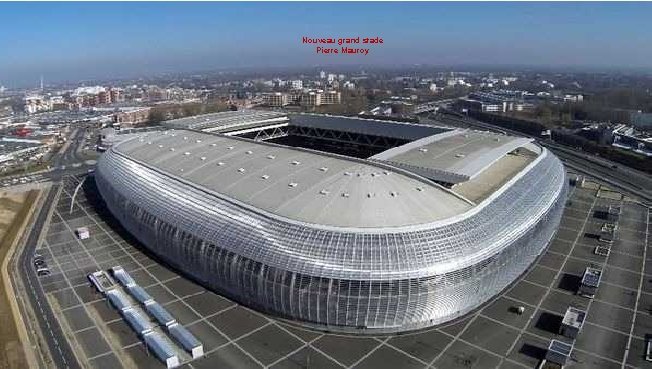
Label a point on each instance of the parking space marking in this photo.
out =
(549, 288)
(640, 288)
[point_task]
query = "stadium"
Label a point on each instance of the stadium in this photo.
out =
(343, 224)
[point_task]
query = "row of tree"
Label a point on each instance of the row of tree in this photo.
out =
(534, 128)
(166, 112)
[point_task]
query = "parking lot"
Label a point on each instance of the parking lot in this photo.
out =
(235, 337)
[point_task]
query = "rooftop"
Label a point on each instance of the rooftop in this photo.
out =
(399, 130)
(455, 156)
(574, 317)
(224, 121)
(591, 277)
(301, 185)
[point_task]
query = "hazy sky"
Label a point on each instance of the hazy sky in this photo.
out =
(99, 40)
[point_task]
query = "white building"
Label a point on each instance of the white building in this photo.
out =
(35, 104)
(348, 85)
(275, 99)
(296, 84)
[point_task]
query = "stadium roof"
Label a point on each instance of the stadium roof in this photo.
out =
(400, 130)
(297, 184)
(454, 156)
(226, 121)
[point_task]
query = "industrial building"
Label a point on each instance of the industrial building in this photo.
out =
(407, 226)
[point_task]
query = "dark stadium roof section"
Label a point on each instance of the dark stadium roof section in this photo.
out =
(454, 156)
(310, 187)
(401, 130)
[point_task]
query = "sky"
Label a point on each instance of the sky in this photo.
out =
(77, 40)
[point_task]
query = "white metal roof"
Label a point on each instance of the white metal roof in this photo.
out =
(574, 317)
(162, 348)
(122, 276)
(159, 313)
(118, 299)
(227, 120)
(298, 184)
(187, 340)
(454, 156)
(137, 321)
(139, 293)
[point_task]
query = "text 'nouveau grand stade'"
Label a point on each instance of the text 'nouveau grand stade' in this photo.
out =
(389, 227)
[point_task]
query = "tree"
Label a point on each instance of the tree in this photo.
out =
(156, 116)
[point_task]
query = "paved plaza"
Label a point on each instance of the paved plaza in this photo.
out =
(495, 336)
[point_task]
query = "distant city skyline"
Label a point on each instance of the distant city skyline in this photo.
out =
(73, 41)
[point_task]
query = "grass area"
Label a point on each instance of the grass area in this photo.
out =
(13, 213)
(31, 169)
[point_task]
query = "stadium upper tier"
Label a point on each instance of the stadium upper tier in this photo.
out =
(336, 242)
(227, 121)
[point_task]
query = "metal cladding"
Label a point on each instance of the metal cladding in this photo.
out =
(122, 276)
(187, 340)
(356, 279)
(160, 314)
(139, 294)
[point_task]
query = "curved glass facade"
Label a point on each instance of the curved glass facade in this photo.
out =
(362, 280)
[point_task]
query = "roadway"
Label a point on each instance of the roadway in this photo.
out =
(60, 350)
(66, 162)
(630, 181)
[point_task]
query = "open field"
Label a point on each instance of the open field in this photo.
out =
(14, 208)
